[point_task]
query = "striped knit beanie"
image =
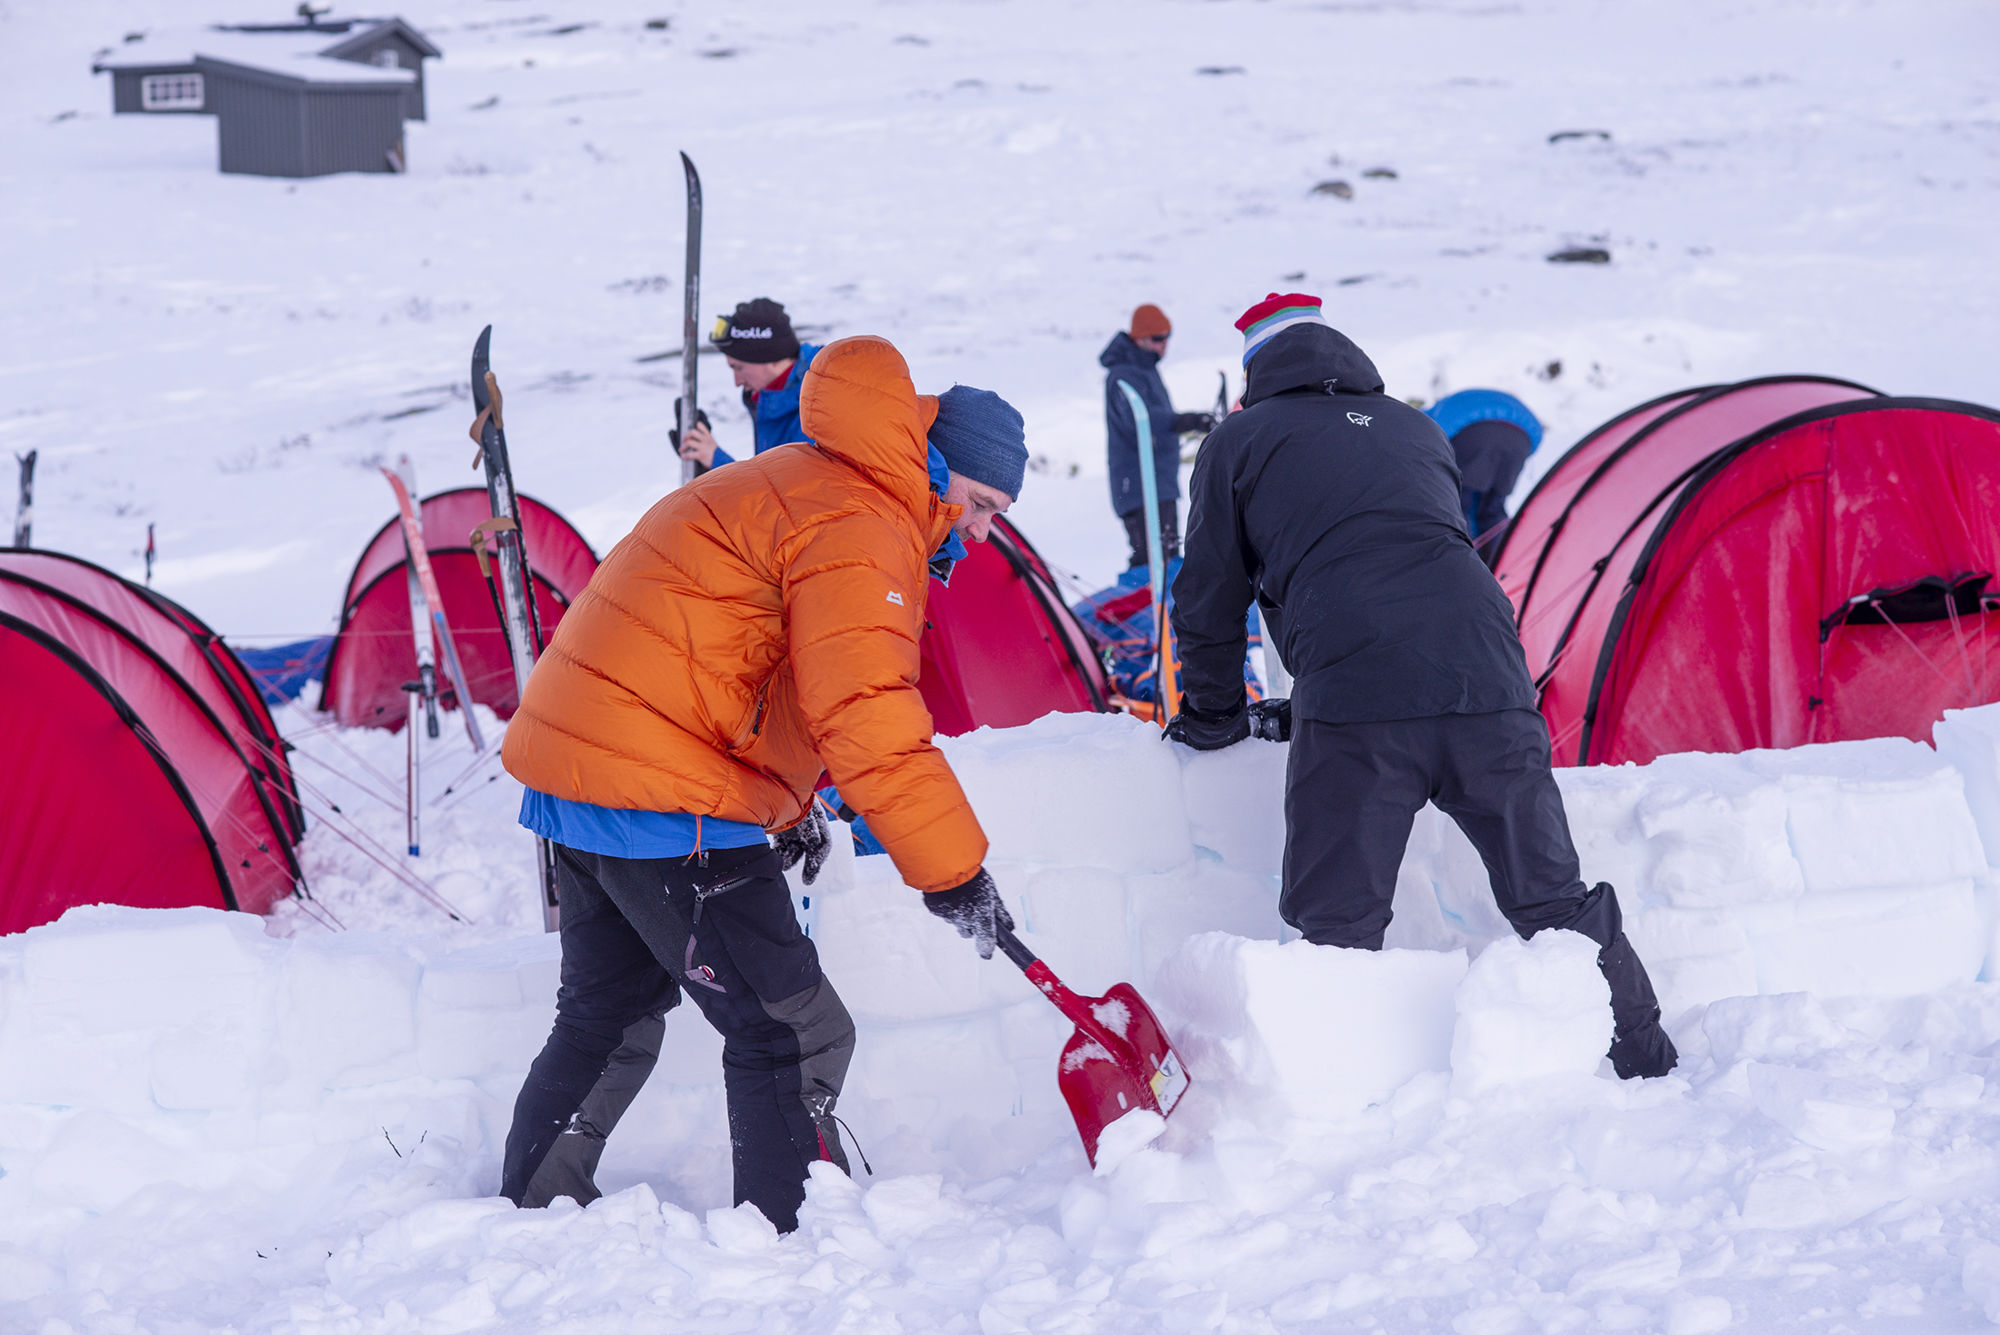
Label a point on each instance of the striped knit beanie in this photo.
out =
(1275, 312)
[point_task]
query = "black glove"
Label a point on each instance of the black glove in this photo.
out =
(1208, 732)
(1202, 422)
(1271, 720)
(808, 839)
(975, 910)
(674, 439)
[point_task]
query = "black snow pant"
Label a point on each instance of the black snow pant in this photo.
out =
(1170, 533)
(636, 933)
(1352, 793)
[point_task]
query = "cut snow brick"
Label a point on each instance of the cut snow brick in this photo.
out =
(1528, 1010)
(1088, 790)
(1324, 1032)
(1969, 739)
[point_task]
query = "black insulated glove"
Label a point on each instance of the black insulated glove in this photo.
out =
(975, 910)
(1208, 732)
(1271, 720)
(1202, 422)
(808, 839)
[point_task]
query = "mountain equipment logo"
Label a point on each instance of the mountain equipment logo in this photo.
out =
(1359, 419)
(896, 598)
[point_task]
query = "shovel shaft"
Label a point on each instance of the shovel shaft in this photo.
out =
(1045, 981)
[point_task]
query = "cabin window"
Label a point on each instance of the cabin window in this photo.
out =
(170, 92)
(386, 58)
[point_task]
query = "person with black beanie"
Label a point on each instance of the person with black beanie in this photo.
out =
(769, 364)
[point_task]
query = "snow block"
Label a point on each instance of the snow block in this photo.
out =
(892, 961)
(1084, 790)
(348, 1009)
(1869, 943)
(1693, 955)
(487, 1010)
(1528, 1010)
(173, 1004)
(1322, 1032)
(1717, 843)
(1236, 803)
(1969, 740)
(1885, 812)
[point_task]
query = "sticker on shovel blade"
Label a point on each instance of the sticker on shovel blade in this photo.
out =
(1169, 1082)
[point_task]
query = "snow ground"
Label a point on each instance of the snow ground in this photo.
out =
(204, 1128)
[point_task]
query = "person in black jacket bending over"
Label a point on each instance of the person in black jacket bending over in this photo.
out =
(1133, 357)
(1337, 508)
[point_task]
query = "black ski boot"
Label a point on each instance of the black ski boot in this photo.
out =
(1640, 1048)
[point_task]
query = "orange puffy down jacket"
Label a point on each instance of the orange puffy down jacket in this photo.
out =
(762, 622)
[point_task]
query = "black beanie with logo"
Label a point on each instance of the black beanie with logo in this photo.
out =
(756, 331)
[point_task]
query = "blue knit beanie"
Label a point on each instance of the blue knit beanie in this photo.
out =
(981, 436)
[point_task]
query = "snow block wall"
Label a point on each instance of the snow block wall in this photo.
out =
(217, 1052)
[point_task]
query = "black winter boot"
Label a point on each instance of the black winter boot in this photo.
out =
(1640, 1048)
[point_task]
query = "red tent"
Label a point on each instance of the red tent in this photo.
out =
(374, 654)
(1765, 564)
(1001, 648)
(142, 766)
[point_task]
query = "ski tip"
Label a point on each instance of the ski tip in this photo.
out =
(480, 344)
(687, 163)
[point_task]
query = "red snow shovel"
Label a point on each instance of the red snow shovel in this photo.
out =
(1118, 1059)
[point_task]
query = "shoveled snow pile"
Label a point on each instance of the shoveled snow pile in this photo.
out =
(204, 1126)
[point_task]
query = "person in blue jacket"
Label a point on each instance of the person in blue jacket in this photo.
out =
(768, 363)
(1492, 433)
(1133, 357)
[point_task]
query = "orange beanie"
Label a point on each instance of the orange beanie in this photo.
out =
(1149, 321)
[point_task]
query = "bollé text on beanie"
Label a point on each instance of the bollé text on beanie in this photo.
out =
(756, 331)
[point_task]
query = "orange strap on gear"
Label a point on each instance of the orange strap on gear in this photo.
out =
(498, 524)
(491, 410)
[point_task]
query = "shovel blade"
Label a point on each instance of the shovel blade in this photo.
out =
(1127, 1063)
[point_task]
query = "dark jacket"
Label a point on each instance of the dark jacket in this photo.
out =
(1337, 508)
(1128, 362)
(1490, 456)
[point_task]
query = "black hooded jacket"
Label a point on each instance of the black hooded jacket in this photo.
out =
(1127, 362)
(1337, 508)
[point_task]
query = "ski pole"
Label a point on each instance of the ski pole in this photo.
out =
(24, 511)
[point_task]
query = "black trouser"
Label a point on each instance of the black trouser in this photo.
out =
(719, 926)
(1353, 790)
(1170, 533)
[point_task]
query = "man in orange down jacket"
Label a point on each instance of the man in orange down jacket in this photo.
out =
(760, 624)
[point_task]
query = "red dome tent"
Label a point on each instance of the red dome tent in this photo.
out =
(1001, 648)
(142, 767)
(374, 653)
(1765, 564)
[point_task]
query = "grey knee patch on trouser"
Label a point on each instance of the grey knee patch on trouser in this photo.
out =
(825, 1033)
(570, 1169)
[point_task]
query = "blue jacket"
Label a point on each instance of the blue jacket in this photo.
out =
(1128, 362)
(774, 414)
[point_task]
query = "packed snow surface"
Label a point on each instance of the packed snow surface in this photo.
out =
(215, 1123)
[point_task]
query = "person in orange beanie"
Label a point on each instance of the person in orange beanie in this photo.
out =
(1132, 357)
